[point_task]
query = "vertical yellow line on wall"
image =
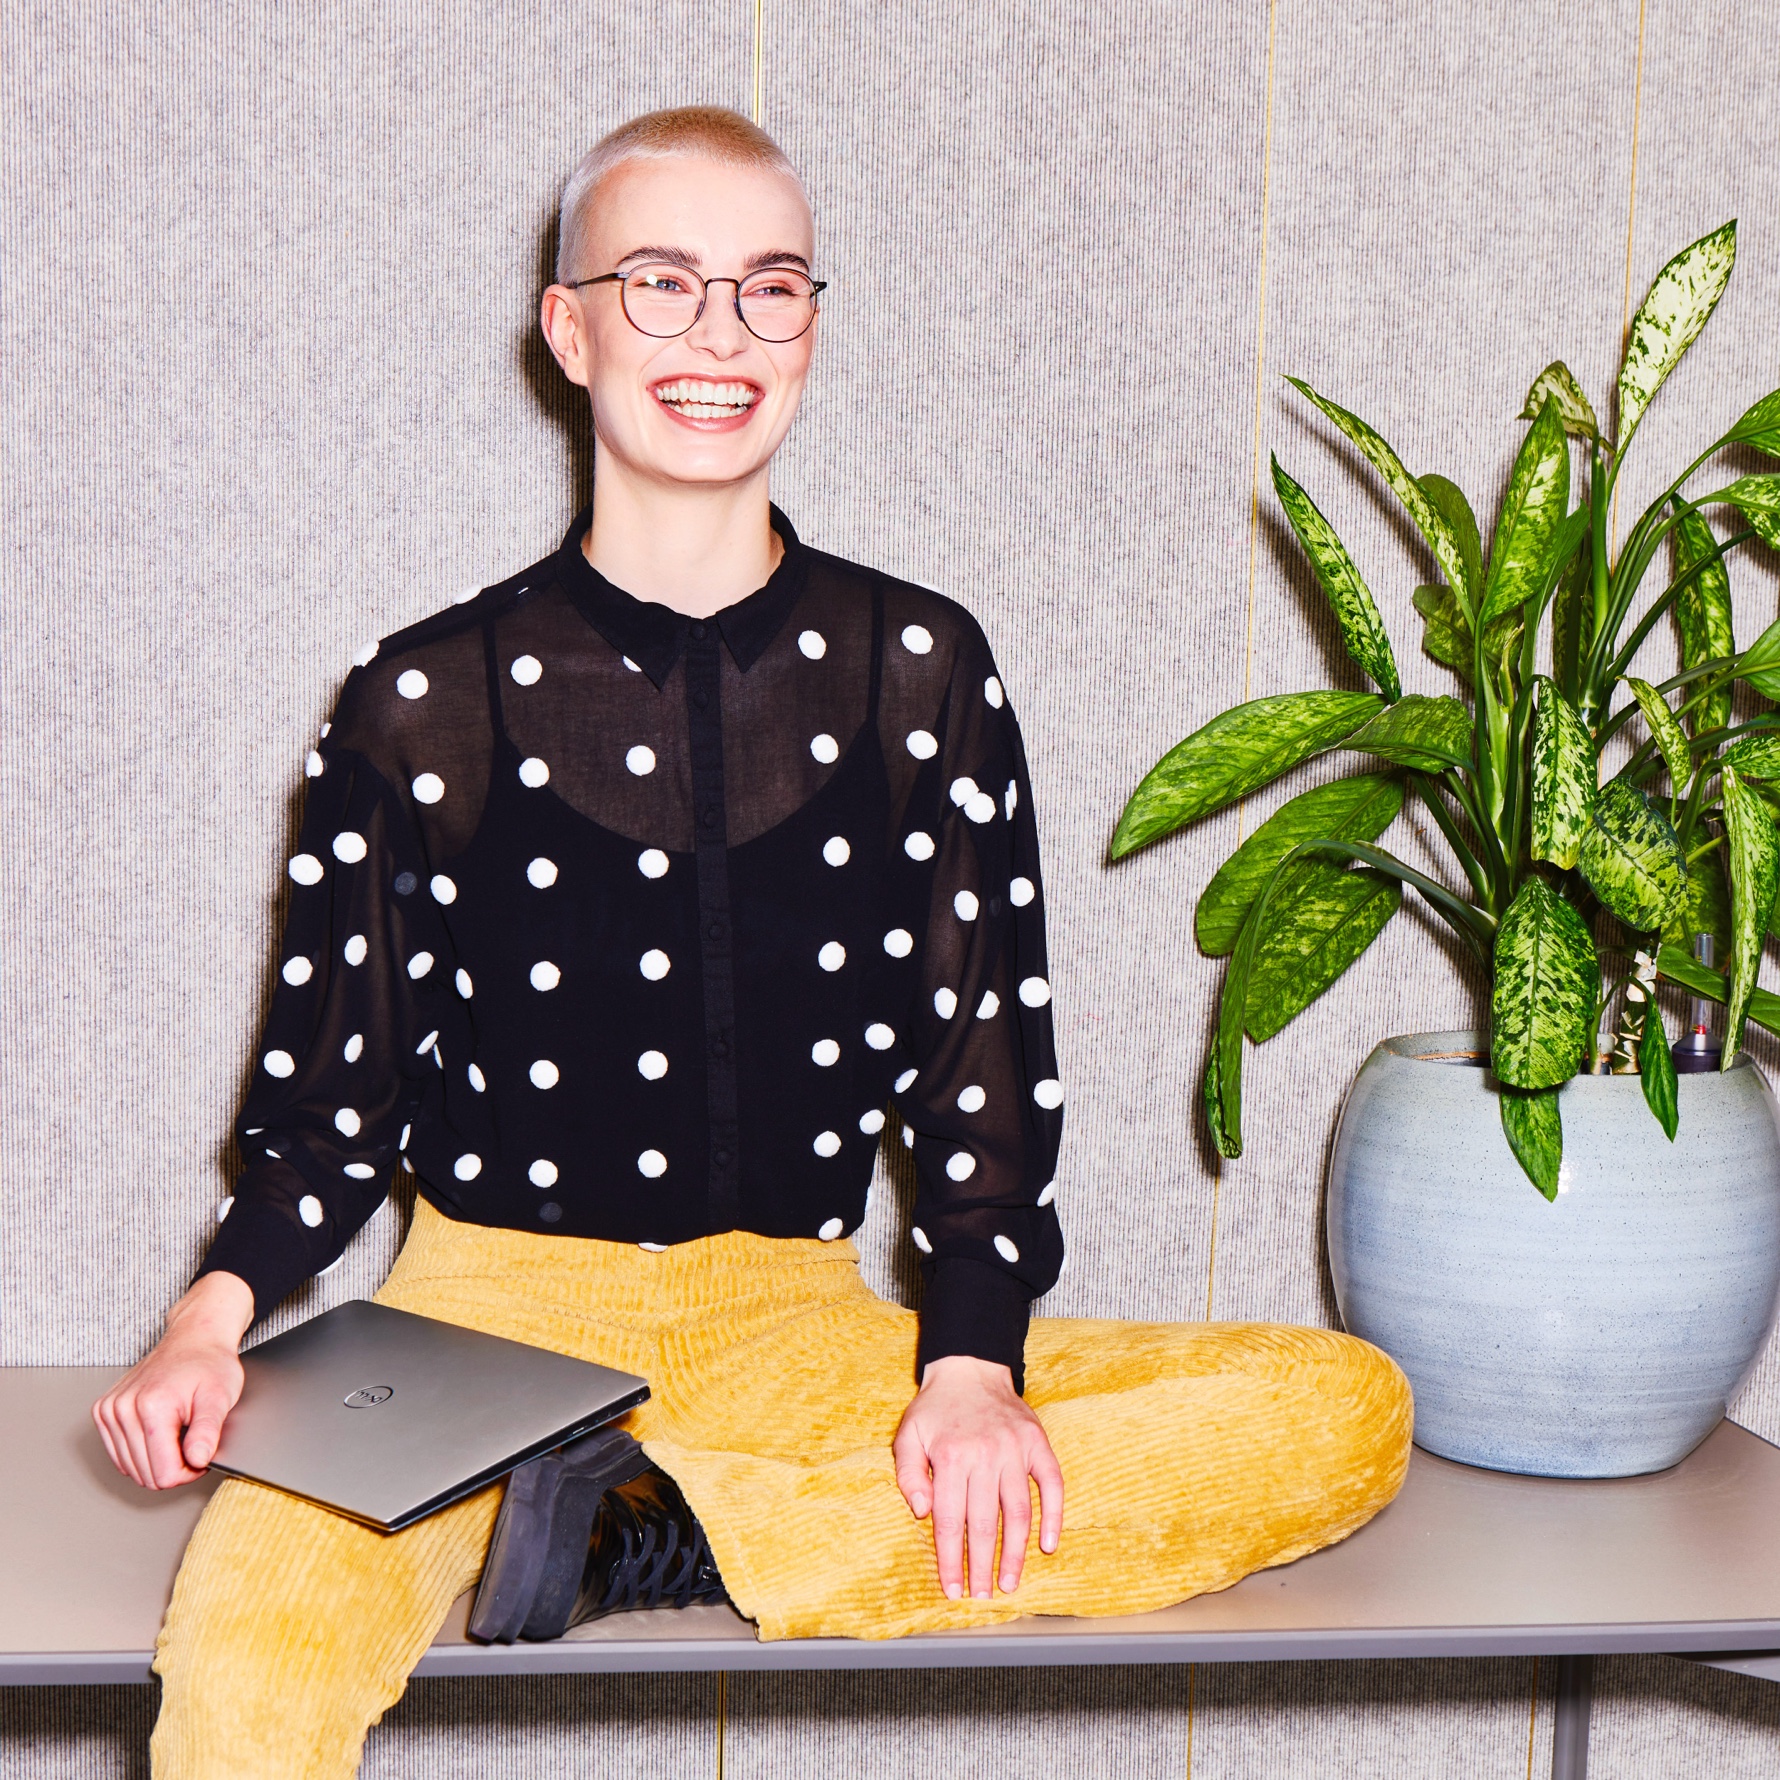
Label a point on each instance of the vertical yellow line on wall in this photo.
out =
(1254, 526)
(1631, 218)
(758, 7)
(1192, 1677)
(722, 1717)
(1533, 1718)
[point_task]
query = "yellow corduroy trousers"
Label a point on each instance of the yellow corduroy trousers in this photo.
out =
(1192, 1454)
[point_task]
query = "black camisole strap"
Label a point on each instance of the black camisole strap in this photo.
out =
(497, 721)
(877, 657)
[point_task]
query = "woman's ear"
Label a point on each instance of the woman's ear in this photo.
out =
(564, 324)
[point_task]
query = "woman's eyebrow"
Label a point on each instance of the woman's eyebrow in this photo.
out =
(675, 256)
(777, 258)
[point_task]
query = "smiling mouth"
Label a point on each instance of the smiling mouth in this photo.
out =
(699, 398)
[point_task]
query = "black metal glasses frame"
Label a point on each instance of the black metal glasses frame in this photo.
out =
(817, 287)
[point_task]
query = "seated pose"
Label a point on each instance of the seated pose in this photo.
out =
(637, 896)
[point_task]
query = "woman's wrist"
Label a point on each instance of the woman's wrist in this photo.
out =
(215, 1311)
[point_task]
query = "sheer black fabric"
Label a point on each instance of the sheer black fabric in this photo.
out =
(613, 923)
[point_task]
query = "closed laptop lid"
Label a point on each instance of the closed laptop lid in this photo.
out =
(385, 1416)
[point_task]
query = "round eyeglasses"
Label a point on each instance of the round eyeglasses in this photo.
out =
(776, 304)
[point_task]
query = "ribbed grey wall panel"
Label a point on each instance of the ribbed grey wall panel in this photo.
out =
(268, 309)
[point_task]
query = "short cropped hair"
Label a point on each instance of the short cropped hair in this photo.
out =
(710, 131)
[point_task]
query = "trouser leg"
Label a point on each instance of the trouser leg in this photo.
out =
(292, 1630)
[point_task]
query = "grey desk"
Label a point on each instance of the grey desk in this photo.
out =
(1463, 1563)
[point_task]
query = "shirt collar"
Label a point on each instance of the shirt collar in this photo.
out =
(653, 635)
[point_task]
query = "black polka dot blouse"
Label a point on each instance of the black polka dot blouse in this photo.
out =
(608, 922)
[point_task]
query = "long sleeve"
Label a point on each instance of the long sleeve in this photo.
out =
(982, 1105)
(342, 1065)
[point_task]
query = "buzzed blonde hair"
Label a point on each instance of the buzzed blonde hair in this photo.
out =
(710, 131)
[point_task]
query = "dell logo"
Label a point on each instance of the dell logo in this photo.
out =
(369, 1396)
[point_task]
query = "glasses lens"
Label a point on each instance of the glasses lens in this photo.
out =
(662, 299)
(778, 303)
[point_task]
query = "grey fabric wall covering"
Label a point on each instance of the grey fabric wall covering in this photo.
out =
(272, 389)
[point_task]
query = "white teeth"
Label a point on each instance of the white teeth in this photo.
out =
(703, 400)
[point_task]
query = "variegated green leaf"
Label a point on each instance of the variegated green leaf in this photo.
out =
(1358, 809)
(1683, 968)
(1755, 756)
(1632, 859)
(1532, 510)
(1543, 997)
(1656, 1068)
(1703, 611)
(1760, 426)
(1211, 1096)
(1322, 920)
(1666, 731)
(1428, 733)
(1705, 909)
(1679, 303)
(1355, 610)
(1572, 620)
(1752, 495)
(1446, 631)
(1755, 875)
(1246, 747)
(1535, 1132)
(1428, 519)
(1557, 384)
(1450, 503)
(1765, 525)
(1759, 664)
(1562, 775)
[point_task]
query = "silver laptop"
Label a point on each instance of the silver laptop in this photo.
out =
(386, 1416)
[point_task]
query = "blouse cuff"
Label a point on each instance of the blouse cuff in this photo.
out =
(970, 1308)
(257, 1243)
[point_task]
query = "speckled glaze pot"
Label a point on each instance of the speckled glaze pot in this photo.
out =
(1598, 1336)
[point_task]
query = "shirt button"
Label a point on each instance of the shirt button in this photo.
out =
(698, 632)
(715, 930)
(701, 699)
(720, 1157)
(710, 818)
(719, 1048)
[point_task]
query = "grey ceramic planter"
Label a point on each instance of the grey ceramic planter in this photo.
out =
(1598, 1336)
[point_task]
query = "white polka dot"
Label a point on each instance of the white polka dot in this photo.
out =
(467, 1166)
(652, 862)
(478, 1080)
(443, 889)
(309, 1210)
(872, 1123)
(545, 975)
(225, 1207)
(427, 1043)
(653, 1248)
(964, 905)
(419, 965)
(908, 1137)
(833, 1228)
(298, 970)
(412, 684)
(465, 987)
(972, 1099)
(280, 1064)
(963, 789)
(813, 644)
(652, 1164)
(919, 846)
(1006, 1249)
(324, 730)
(314, 765)
(832, 956)
(992, 691)
(1012, 800)
(826, 749)
(640, 760)
(358, 1171)
(1021, 891)
(989, 1006)
(825, 1053)
(919, 1237)
(366, 655)
(541, 873)
(544, 1073)
(464, 598)
(917, 639)
(355, 1048)
(428, 788)
(402, 1142)
(652, 1066)
(980, 808)
(542, 1173)
(306, 869)
(879, 1036)
(1048, 1194)
(836, 851)
(533, 772)
(1035, 991)
(899, 942)
(630, 666)
(526, 670)
(945, 1003)
(347, 1122)
(356, 950)
(654, 964)
(961, 1165)
(827, 1143)
(906, 1080)
(921, 744)
(1048, 1093)
(349, 848)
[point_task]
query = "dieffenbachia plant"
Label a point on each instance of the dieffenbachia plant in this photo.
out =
(1678, 840)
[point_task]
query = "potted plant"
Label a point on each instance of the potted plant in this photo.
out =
(1598, 1324)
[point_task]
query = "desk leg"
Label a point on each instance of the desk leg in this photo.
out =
(1569, 1730)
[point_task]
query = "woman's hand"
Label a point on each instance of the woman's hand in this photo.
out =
(161, 1421)
(966, 1446)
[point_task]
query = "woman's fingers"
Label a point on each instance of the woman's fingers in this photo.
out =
(1016, 1524)
(951, 1483)
(983, 1513)
(911, 1469)
(164, 1415)
(210, 1407)
(105, 1415)
(1048, 1475)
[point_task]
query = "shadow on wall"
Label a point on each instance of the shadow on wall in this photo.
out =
(563, 402)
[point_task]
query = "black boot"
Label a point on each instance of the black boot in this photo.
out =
(647, 1550)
